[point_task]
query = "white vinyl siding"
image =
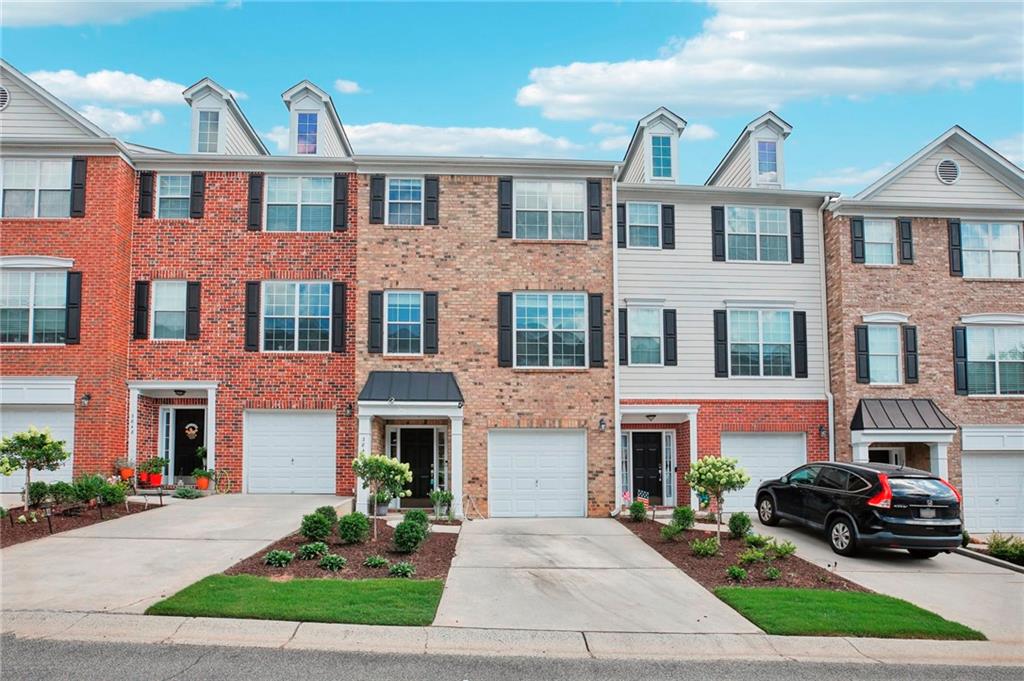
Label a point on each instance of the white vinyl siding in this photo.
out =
(33, 306)
(737, 171)
(35, 188)
(879, 242)
(550, 210)
(299, 204)
(991, 250)
(921, 185)
(995, 360)
(884, 354)
(757, 234)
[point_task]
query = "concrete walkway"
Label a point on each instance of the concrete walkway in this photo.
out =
(570, 574)
(127, 564)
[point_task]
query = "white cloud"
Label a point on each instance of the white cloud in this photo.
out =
(117, 121)
(347, 87)
(278, 135)
(456, 141)
(607, 129)
(695, 132)
(615, 143)
(1012, 148)
(39, 13)
(849, 177)
(109, 86)
(752, 56)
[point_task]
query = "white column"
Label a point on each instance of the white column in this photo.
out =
(456, 463)
(860, 452)
(211, 429)
(694, 503)
(365, 442)
(133, 419)
(937, 459)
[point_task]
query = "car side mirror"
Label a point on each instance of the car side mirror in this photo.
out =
(784, 479)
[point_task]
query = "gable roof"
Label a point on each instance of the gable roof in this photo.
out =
(72, 116)
(332, 113)
(767, 117)
(193, 90)
(636, 141)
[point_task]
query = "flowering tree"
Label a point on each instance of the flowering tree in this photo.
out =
(382, 475)
(31, 449)
(714, 476)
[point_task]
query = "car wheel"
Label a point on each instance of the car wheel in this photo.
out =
(766, 511)
(841, 537)
(922, 553)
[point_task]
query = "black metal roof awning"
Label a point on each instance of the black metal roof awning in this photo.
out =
(902, 414)
(411, 386)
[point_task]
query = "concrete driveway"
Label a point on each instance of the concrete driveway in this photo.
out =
(573, 575)
(982, 596)
(127, 564)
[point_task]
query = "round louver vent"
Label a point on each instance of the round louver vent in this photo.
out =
(5, 97)
(948, 171)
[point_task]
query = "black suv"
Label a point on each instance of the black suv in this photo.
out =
(867, 505)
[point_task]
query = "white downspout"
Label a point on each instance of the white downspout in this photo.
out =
(615, 339)
(824, 335)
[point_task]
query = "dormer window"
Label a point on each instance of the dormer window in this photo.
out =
(209, 131)
(305, 141)
(767, 162)
(661, 156)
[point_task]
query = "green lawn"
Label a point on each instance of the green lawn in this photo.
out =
(361, 601)
(818, 612)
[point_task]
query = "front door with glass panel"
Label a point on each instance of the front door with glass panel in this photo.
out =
(647, 455)
(417, 450)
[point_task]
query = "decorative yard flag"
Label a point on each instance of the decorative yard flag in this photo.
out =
(627, 497)
(644, 498)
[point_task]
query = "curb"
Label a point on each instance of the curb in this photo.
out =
(605, 645)
(991, 560)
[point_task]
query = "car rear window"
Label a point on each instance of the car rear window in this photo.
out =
(920, 487)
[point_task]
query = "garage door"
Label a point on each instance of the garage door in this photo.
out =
(993, 489)
(60, 419)
(764, 456)
(537, 473)
(290, 452)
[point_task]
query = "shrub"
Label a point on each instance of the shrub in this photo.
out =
(772, 573)
(684, 517)
(735, 573)
(354, 528)
(757, 541)
(315, 527)
(62, 492)
(375, 561)
(418, 516)
(965, 539)
(89, 487)
(32, 449)
(783, 550)
(1007, 548)
(3, 512)
(328, 512)
(313, 550)
(638, 512)
(114, 493)
(37, 493)
(739, 525)
(332, 562)
(403, 569)
(409, 536)
(187, 493)
(671, 531)
(704, 548)
(279, 558)
(751, 556)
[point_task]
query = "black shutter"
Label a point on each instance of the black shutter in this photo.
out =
(255, 223)
(375, 337)
(620, 221)
(78, 187)
(799, 344)
(857, 240)
(192, 297)
(431, 199)
(504, 329)
(376, 199)
(596, 301)
(668, 225)
(141, 316)
(252, 314)
(430, 323)
(668, 337)
(197, 199)
(956, 261)
(906, 241)
(340, 205)
(505, 212)
(960, 359)
(623, 337)
(910, 354)
(339, 306)
(594, 210)
(146, 194)
(718, 236)
(796, 235)
(860, 343)
(721, 345)
(73, 309)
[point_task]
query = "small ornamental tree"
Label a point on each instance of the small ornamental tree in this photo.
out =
(714, 476)
(32, 449)
(382, 475)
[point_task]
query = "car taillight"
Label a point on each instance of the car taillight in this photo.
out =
(959, 497)
(884, 498)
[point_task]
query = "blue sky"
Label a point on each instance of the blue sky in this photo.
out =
(864, 86)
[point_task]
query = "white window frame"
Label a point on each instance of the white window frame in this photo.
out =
(516, 183)
(893, 243)
(221, 115)
(629, 223)
(37, 189)
(153, 310)
(760, 342)
(216, 139)
(316, 144)
(775, 156)
(387, 199)
(757, 236)
(550, 331)
(387, 295)
(989, 251)
(298, 205)
(186, 195)
(32, 308)
(650, 135)
(263, 316)
(995, 360)
(780, 166)
(898, 355)
(661, 335)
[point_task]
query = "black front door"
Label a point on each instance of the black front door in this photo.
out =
(647, 465)
(189, 436)
(417, 447)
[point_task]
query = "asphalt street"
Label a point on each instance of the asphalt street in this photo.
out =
(56, 660)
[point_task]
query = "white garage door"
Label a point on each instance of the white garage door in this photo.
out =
(764, 456)
(290, 452)
(537, 473)
(60, 419)
(993, 489)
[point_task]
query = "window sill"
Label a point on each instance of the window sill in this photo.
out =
(550, 370)
(406, 228)
(33, 345)
(762, 262)
(402, 358)
(994, 397)
(997, 280)
(39, 219)
(555, 242)
(880, 266)
(887, 386)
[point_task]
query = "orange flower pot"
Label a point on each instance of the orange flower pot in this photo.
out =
(126, 473)
(202, 483)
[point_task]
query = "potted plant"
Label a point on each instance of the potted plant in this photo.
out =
(124, 467)
(155, 468)
(442, 500)
(383, 500)
(202, 477)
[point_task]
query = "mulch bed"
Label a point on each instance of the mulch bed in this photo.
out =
(431, 561)
(18, 533)
(710, 572)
